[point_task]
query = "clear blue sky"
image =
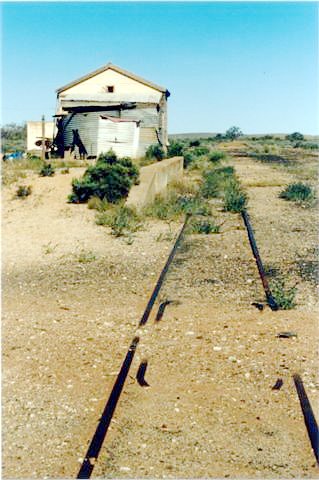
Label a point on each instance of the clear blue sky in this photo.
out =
(253, 65)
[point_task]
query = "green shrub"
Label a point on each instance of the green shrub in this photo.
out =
(175, 149)
(64, 171)
(284, 296)
(188, 159)
(235, 198)
(109, 157)
(295, 136)
(297, 192)
(219, 137)
(199, 151)
(47, 170)
(155, 152)
(194, 143)
(108, 179)
(204, 226)
(122, 219)
(214, 181)
(216, 157)
(309, 145)
(24, 191)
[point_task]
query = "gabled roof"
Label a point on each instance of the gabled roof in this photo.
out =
(116, 69)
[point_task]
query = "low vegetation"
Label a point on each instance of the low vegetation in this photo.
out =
(123, 220)
(154, 152)
(23, 191)
(13, 171)
(235, 198)
(13, 138)
(203, 226)
(298, 192)
(111, 178)
(270, 158)
(216, 157)
(174, 205)
(283, 295)
(86, 257)
(47, 170)
(215, 181)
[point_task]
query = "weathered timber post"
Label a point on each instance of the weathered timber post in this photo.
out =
(163, 122)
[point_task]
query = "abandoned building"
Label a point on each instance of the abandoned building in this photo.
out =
(110, 108)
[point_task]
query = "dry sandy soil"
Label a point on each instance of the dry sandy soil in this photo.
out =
(72, 299)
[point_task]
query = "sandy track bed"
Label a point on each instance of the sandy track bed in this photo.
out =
(72, 298)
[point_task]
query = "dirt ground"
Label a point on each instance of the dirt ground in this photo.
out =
(72, 299)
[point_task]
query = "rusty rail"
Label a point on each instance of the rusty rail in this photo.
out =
(95, 446)
(104, 423)
(310, 421)
(270, 299)
(163, 273)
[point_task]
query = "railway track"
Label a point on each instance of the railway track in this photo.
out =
(99, 436)
(107, 415)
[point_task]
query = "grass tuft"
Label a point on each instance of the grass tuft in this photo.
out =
(204, 226)
(215, 180)
(298, 192)
(23, 191)
(123, 220)
(173, 205)
(283, 295)
(235, 199)
(216, 156)
(47, 170)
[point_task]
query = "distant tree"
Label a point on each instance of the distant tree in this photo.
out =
(194, 143)
(13, 137)
(233, 132)
(218, 137)
(296, 136)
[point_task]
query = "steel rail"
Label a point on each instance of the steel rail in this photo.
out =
(310, 421)
(140, 376)
(270, 299)
(163, 273)
(161, 310)
(104, 423)
(95, 446)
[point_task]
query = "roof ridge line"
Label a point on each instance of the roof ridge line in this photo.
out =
(117, 69)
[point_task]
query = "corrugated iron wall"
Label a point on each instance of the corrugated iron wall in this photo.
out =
(88, 126)
(126, 139)
(147, 137)
(148, 115)
(120, 137)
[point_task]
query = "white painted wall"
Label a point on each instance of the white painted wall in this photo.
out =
(122, 85)
(34, 133)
